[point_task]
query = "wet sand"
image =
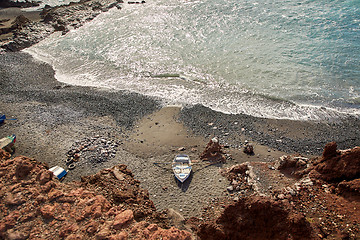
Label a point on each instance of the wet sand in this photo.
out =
(52, 116)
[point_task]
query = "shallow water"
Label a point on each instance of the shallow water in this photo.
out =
(274, 59)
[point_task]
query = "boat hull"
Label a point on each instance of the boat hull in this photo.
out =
(182, 167)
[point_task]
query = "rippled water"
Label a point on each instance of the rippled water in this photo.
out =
(269, 58)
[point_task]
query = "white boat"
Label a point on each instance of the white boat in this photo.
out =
(182, 167)
(59, 172)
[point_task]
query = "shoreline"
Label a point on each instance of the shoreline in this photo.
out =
(53, 116)
(64, 18)
(101, 128)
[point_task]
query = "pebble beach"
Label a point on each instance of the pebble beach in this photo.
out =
(54, 119)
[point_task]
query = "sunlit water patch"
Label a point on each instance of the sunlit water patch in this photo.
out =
(274, 59)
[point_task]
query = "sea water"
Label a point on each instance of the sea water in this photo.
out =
(267, 58)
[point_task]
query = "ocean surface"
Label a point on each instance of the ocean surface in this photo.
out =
(268, 58)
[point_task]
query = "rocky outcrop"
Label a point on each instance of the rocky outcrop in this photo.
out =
(22, 4)
(336, 166)
(111, 204)
(339, 170)
(255, 218)
(295, 165)
(213, 152)
(61, 18)
(35, 205)
(314, 198)
(16, 25)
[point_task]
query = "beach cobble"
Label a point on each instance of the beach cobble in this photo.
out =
(92, 150)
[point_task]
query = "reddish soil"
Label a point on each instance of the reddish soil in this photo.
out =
(256, 218)
(108, 205)
(323, 203)
(319, 199)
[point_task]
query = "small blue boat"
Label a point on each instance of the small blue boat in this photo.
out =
(59, 172)
(2, 118)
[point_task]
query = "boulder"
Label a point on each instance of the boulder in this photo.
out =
(294, 164)
(19, 22)
(44, 176)
(336, 166)
(47, 211)
(213, 152)
(123, 219)
(330, 150)
(23, 167)
(249, 149)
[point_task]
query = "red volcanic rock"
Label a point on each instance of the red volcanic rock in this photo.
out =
(103, 234)
(44, 176)
(68, 229)
(153, 231)
(213, 152)
(23, 167)
(138, 227)
(172, 233)
(4, 155)
(256, 218)
(17, 235)
(99, 204)
(41, 207)
(123, 218)
(292, 164)
(351, 188)
(47, 211)
(249, 149)
(238, 169)
(14, 199)
(75, 237)
(330, 150)
(10, 220)
(91, 227)
(48, 186)
(54, 193)
(152, 227)
(120, 236)
(338, 165)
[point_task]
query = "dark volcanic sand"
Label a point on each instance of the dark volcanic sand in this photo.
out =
(52, 116)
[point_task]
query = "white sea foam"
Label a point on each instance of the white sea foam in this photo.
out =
(277, 59)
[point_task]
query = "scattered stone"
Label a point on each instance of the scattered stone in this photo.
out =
(297, 164)
(14, 199)
(92, 150)
(123, 218)
(281, 196)
(119, 175)
(230, 188)
(271, 167)
(17, 235)
(249, 149)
